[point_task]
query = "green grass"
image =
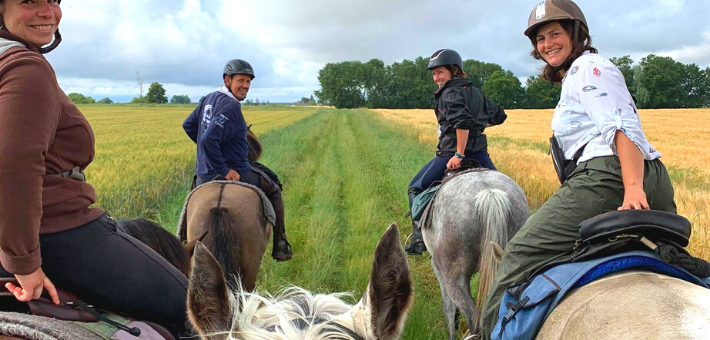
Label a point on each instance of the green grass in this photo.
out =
(345, 178)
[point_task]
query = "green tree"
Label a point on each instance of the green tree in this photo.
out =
(479, 71)
(106, 100)
(311, 101)
(663, 77)
(139, 100)
(540, 94)
(78, 98)
(505, 89)
(156, 94)
(180, 99)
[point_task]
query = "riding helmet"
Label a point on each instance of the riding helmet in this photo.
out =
(238, 66)
(445, 58)
(554, 10)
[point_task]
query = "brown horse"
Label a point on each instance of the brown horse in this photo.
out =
(230, 220)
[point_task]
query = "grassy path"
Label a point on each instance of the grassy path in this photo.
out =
(345, 176)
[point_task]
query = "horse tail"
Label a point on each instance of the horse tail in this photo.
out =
(224, 241)
(494, 211)
(255, 149)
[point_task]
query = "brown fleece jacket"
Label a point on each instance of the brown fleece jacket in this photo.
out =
(41, 133)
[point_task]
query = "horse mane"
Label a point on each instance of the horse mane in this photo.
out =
(255, 148)
(158, 239)
(293, 314)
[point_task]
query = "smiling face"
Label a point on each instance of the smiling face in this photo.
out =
(238, 84)
(35, 21)
(553, 43)
(441, 75)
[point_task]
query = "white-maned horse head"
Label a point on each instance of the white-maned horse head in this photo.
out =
(630, 305)
(297, 314)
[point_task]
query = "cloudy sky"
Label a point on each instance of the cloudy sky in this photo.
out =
(183, 44)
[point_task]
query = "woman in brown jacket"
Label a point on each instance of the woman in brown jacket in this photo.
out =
(49, 234)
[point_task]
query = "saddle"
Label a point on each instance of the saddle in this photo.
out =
(72, 308)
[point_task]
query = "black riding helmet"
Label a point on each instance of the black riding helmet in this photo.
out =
(238, 66)
(445, 58)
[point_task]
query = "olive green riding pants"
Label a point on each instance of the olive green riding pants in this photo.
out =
(594, 186)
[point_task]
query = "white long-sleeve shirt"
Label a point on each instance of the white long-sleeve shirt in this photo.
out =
(594, 104)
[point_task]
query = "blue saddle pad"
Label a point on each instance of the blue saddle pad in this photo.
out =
(520, 317)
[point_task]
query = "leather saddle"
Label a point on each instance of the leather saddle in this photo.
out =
(653, 224)
(70, 307)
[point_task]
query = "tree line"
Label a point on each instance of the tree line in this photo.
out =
(155, 95)
(656, 82)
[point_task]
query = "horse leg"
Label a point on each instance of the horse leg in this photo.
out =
(449, 307)
(458, 287)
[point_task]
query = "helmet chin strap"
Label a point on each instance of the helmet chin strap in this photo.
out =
(57, 40)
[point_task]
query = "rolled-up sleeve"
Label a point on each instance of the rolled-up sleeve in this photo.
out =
(607, 101)
(29, 116)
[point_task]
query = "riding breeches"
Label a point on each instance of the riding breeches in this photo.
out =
(115, 272)
(593, 187)
(436, 168)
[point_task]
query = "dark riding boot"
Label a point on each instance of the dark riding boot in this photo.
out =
(416, 241)
(281, 248)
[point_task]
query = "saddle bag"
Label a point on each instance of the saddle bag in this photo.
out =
(563, 167)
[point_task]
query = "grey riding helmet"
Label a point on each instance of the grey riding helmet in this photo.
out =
(238, 66)
(445, 58)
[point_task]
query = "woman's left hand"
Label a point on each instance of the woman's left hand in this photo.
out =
(454, 163)
(634, 199)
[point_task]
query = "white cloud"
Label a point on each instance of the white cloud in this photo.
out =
(184, 44)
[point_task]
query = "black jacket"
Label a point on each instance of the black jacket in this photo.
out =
(459, 105)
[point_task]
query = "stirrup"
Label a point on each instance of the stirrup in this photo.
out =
(282, 254)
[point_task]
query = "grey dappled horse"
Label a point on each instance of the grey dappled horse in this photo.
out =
(218, 313)
(468, 212)
(629, 305)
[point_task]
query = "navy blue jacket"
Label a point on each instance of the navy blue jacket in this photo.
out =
(218, 127)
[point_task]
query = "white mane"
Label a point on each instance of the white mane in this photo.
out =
(293, 314)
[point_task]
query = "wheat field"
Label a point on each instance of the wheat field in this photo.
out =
(519, 148)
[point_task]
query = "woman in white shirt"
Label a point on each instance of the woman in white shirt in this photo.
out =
(597, 128)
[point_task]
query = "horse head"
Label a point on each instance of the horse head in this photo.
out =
(218, 313)
(255, 148)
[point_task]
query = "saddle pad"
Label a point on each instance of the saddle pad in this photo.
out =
(265, 203)
(524, 309)
(33, 327)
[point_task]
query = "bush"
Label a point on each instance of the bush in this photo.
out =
(78, 98)
(106, 100)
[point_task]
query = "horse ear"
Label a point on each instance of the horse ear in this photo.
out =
(497, 251)
(390, 289)
(208, 304)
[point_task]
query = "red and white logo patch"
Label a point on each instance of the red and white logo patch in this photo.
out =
(597, 72)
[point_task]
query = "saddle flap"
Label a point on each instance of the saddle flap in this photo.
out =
(654, 224)
(45, 307)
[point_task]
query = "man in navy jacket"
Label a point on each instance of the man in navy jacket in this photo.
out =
(218, 128)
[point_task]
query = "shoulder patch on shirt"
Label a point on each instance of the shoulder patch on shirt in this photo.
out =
(589, 88)
(574, 70)
(597, 72)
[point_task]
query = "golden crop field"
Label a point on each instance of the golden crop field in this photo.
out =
(518, 148)
(143, 156)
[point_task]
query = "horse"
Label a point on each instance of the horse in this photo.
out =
(630, 304)
(230, 220)
(468, 212)
(157, 238)
(217, 313)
